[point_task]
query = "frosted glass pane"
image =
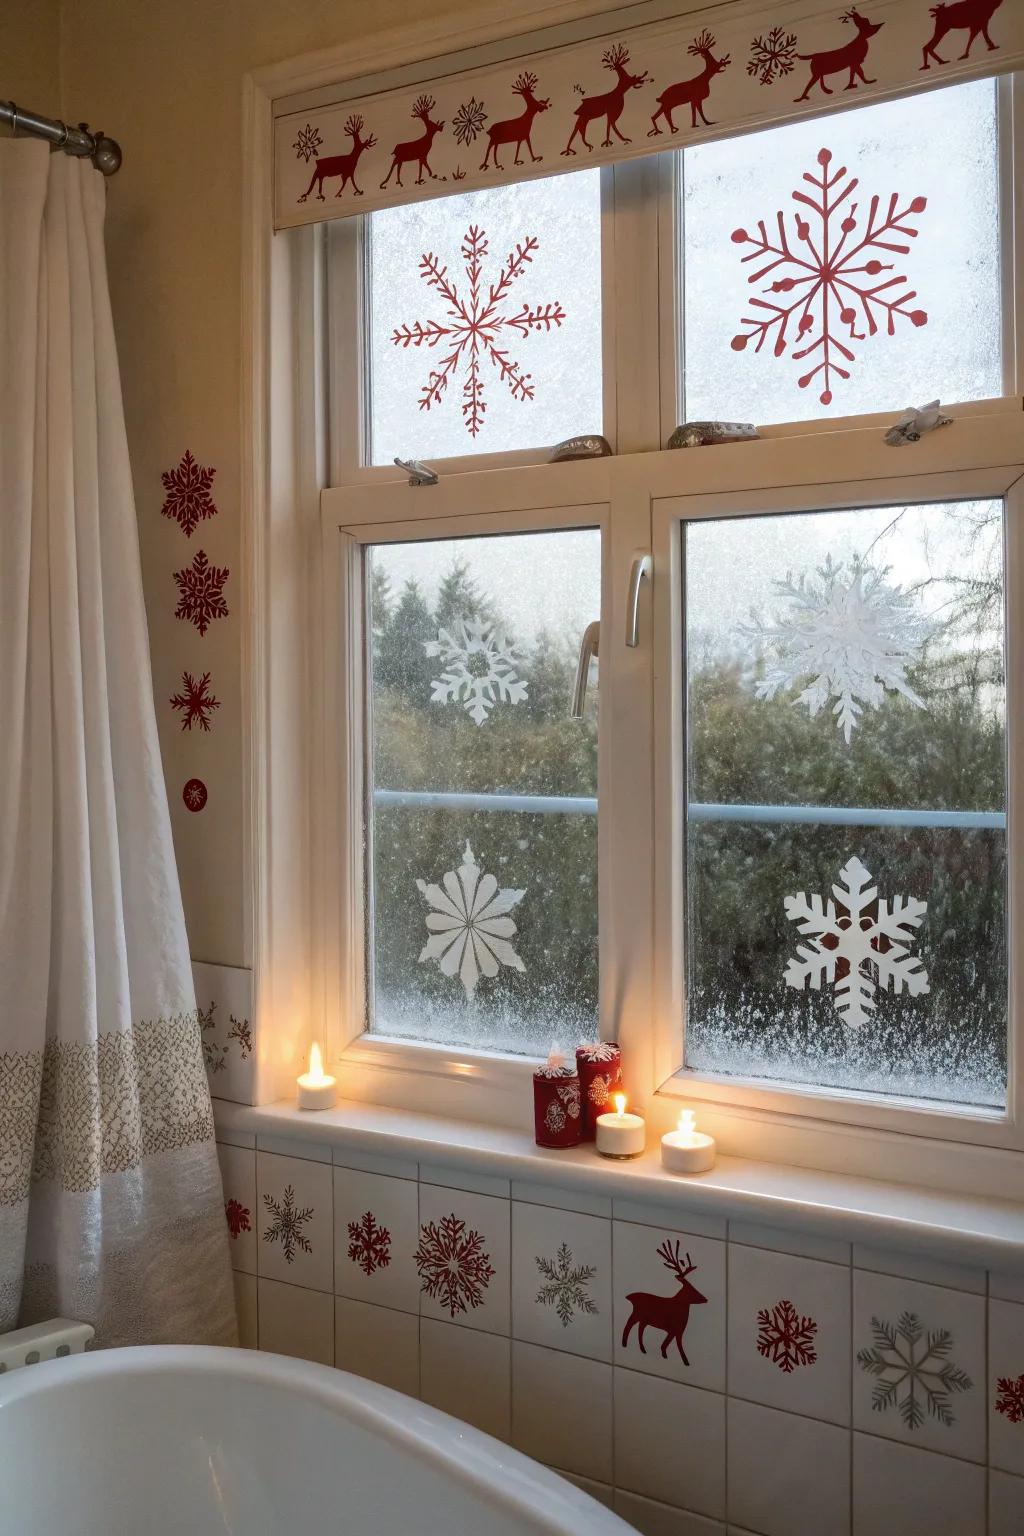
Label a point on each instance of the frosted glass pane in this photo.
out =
(846, 845)
(484, 909)
(940, 147)
(515, 360)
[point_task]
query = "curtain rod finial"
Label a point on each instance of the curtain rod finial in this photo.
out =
(106, 155)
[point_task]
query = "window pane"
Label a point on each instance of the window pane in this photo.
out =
(484, 800)
(846, 844)
(748, 201)
(485, 320)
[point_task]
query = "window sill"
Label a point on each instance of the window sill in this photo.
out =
(960, 1228)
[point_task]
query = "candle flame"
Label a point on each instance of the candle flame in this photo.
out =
(687, 1122)
(620, 1103)
(316, 1064)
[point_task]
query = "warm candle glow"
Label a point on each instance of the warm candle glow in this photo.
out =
(620, 1103)
(687, 1122)
(316, 1064)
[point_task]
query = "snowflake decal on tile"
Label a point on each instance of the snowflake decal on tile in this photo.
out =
(479, 668)
(565, 1285)
(201, 592)
(188, 498)
(287, 1225)
(475, 325)
(237, 1217)
(772, 55)
(850, 637)
(214, 1054)
(832, 281)
(1010, 1398)
(241, 1030)
(468, 122)
(857, 944)
(785, 1338)
(913, 1370)
(195, 702)
(307, 142)
(454, 1268)
(369, 1244)
(470, 930)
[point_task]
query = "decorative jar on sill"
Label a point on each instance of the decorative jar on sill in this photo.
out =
(556, 1103)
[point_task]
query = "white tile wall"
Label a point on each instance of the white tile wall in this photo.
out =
(659, 1438)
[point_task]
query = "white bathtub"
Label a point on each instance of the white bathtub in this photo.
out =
(191, 1442)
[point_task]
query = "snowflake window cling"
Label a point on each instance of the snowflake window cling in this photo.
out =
(455, 1269)
(834, 277)
(913, 1371)
(851, 950)
(469, 925)
(785, 1338)
(853, 636)
(479, 668)
(476, 323)
(565, 1285)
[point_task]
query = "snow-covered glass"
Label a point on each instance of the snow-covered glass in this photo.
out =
(483, 804)
(846, 788)
(484, 320)
(845, 265)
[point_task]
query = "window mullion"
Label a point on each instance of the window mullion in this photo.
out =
(634, 318)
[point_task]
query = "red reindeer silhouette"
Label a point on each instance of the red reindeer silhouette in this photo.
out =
(835, 60)
(691, 93)
(341, 165)
(416, 150)
(972, 16)
(517, 130)
(610, 105)
(670, 1314)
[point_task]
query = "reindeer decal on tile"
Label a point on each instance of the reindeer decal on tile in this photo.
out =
(669, 1314)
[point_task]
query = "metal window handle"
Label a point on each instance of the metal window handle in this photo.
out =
(640, 571)
(588, 650)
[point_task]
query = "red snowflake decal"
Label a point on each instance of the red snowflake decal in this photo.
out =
(188, 493)
(369, 1244)
(475, 325)
(772, 55)
(830, 274)
(194, 796)
(1010, 1398)
(201, 588)
(453, 1267)
(238, 1217)
(196, 702)
(786, 1338)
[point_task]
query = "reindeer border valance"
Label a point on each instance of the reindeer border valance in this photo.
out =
(629, 93)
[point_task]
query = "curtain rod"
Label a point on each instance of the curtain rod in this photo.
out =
(104, 153)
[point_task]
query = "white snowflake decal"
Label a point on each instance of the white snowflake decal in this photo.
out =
(857, 945)
(479, 668)
(565, 1285)
(853, 636)
(475, 325)
(470, 928)
(833, 277)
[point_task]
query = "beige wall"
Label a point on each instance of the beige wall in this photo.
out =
(165, 80)
(30, 55)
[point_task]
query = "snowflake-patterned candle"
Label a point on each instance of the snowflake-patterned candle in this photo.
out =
(316, 1088)
(599, 1066)
(687, 1150)
(556, 1103)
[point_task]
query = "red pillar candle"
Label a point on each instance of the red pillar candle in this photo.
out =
(556, 1104)
(600, 1073)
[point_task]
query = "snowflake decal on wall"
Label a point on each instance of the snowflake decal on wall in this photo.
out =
(194, 794)
(565, 1285)
(913, 1370)
(772, 55)
(470, 928)
(369, 1244)
(453, 1265)
(479, 668)
(286, 1227)
(785, 1338)
(834, 278)
(214, 1054)
(241, 1030)
(307, 142)
(201, 589)
(1010, 1398)
(188, 498)
(195, 701)
(852, 635)
(468, 121)
(475, 325)
(237, 1217)
(857, 945)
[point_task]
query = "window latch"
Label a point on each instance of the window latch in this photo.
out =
(640, 571)
(588, 650)
(418, 472)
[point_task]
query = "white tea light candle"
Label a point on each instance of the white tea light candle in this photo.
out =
(620, 1135)
(317, 1089)
(687, 1150)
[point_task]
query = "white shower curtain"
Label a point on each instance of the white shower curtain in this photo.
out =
(110, 1196)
